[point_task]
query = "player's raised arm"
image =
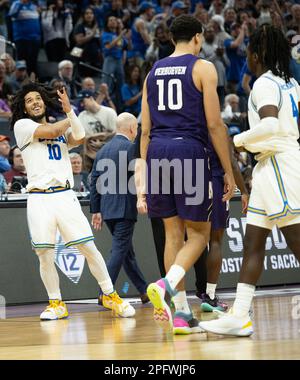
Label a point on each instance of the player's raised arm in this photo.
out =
(51, 131)
(77, 134)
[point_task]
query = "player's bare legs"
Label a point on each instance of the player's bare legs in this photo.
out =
(56, 308)
(214, 258)
(179, 257)
(292, 237)
(110, 299)
(213, 264)
(254, 254)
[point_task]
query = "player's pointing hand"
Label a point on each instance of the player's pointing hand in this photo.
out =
(64, 100)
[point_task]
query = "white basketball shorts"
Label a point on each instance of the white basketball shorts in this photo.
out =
(275, 194)
(48, 212)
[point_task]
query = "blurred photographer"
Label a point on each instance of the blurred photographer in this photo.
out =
(57, 25)
(215, 53)
(17, 170)
(161, 45)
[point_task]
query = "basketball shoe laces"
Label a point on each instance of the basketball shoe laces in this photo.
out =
(53, 304)
(116, 302)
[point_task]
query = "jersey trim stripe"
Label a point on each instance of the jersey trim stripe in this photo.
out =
(287, 208)
(25, 146)
(79, 241)
(42, 245)
(256, 211)
(280, 91)
(48, 192)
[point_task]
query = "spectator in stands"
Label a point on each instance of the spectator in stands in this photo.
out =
(244, 88)
(5, 87)
(230, 17)
(231, 107)
(236, 52)
(132, 91)
(133, 8)
(17, 166)
(294, 41)
(4, 153)
(102, 94)
(99, 123)
(178, 8)
(57, 25)
(118, 10)
(26, 31)
(10, 64)
(217, 22)
(81, 183)
(5, 111)
(19, 77)
(99, 9)
(295, 11)
(141, 37)
(65, 73)
(215, 54)
(87, 37)
(161, 45)
(202, 16)
(114, 44)
(216, 8)
(4, 7)
(96, 118)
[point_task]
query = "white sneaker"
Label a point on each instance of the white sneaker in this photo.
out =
(118, 306)
(55, 310)
(229, 324)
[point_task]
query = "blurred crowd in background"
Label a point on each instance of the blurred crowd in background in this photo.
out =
(101, 51)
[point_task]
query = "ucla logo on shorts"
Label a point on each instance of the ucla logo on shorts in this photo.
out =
(69, 260)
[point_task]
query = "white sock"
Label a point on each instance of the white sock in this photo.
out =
(48, 273)
(175, 275)
(211, 290)
(97, 266)
(243, 299)
(181, 302)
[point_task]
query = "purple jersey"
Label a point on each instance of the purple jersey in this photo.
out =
(176, 105)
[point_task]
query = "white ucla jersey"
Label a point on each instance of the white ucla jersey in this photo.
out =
(269, 89)
(46, 161)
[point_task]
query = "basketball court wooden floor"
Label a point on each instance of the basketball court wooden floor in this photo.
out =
(91, 333)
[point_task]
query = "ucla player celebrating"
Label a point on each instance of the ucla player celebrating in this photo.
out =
(51, 203)
(275, 197)
(180, 106)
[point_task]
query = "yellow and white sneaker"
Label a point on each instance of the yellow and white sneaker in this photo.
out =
(119, 307)
(55, 310)
(229, 324)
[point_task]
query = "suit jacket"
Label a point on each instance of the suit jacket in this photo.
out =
(113, 201)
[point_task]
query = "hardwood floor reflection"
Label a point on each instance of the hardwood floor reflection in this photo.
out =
(96, 335)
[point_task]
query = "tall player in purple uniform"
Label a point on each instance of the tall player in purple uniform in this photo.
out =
(180, 105)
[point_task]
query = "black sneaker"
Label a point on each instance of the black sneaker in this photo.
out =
(209, 305)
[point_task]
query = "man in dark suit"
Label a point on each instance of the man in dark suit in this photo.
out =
(112, 201)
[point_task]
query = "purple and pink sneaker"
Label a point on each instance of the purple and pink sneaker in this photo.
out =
(157, 293)
(185, 324)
